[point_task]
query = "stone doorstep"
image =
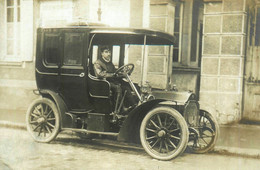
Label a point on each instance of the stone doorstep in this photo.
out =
(223, 150)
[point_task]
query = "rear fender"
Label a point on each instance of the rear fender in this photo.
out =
(130, 129)
(61, 106)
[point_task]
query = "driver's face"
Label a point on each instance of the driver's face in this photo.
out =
(106, 54)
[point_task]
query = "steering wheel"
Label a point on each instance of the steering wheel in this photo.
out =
(125, 69)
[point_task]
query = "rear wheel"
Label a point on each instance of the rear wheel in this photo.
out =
(208, 132)
(164, 133)
(43, 120)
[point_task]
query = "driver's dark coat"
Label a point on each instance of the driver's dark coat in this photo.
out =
(104, 69)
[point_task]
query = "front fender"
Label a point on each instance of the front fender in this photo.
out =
(130, 129)
(61, 106)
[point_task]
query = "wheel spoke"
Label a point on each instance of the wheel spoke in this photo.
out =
(34, 115)
(165, 121)
(33, 122)
(172, 143)
(174, 130)
(44, 131)
(154, 124)
(37, 110)
(159, 119)
(174, 137)
(40, 131)
(48, 129)
(37, 127)
(42, 110)
(49, 113)
(207, 136)
(46, 109)
(170, 124)
(50, 119)
(152, 137)
(155, 143)
(160, 148)
(151, 130)
(51, 125)
(204, 141)
(166, 146)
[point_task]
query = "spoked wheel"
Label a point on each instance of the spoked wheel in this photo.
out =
(43, 120)
(208, 133)
(164, 133)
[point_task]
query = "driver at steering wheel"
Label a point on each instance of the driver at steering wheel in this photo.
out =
(104, 68)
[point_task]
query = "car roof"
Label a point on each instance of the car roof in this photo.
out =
(129, 35)
(135, 35)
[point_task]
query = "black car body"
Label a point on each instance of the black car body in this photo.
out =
(72, 98)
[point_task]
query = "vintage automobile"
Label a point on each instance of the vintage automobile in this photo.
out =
(165, 121)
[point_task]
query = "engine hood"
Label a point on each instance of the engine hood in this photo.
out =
(179, 97)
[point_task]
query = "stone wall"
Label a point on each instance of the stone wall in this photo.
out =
(223, 58)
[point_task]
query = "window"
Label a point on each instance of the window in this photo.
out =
(52, 52)
(177, 31)
(188, 32)
(12, 30)
(73, 49)
(254, 27)
(257, 29)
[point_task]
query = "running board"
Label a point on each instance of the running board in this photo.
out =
(90, 131)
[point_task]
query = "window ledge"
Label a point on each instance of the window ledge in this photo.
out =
(13, 64)
(186, 69)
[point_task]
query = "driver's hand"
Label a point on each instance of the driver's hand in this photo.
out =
(120, 75)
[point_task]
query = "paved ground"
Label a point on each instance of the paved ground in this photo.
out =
(19, 151)
(237, 139)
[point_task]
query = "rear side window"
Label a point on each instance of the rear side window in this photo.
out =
(73, 49)
(51, 51)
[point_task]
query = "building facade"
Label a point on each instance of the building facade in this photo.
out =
(216, 53)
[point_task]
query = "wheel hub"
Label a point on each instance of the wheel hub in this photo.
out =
(41, 120)
(161, 133)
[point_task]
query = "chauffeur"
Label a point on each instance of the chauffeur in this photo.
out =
(104, 68)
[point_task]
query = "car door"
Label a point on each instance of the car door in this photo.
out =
(73, 73)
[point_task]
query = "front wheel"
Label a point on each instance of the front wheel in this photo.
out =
(43, 120)
(207, 135)
(164, 133)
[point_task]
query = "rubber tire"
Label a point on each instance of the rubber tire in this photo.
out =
(56, 129)
(184, 128)
(213, 143)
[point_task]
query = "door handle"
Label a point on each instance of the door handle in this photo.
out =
(82, 75)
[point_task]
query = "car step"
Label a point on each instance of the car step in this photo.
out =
(90, 131)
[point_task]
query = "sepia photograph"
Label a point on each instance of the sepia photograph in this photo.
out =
(129, 84)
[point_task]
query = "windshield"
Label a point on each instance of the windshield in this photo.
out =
(150, 55)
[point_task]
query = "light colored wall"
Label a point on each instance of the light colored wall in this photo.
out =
(17, 79)
(223, 58)
(114, 13)
(55, 13)
(2, 32)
